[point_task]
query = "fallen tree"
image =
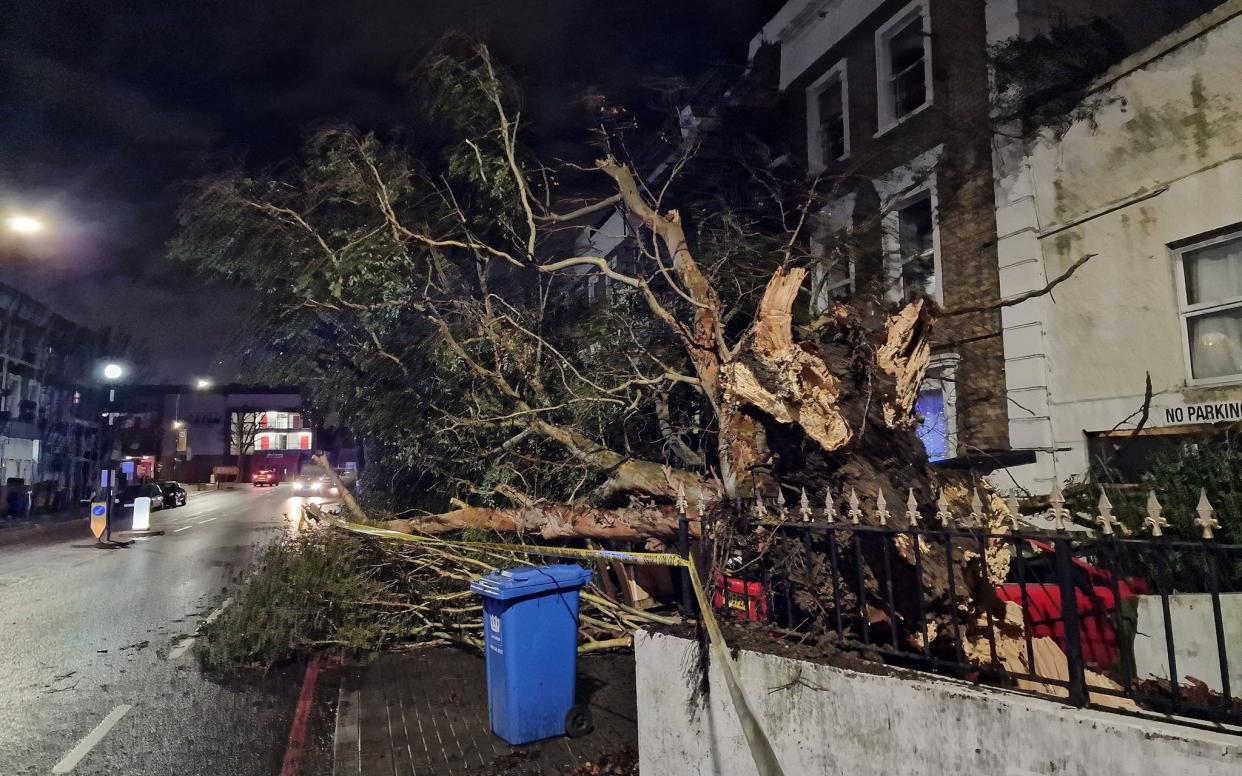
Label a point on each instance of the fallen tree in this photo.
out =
(439, 300)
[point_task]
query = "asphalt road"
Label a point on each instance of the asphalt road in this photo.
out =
(91, 637)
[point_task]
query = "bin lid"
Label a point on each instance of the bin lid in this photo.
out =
(530, 580)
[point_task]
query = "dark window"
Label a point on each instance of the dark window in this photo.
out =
(832, 119)
(907, 67)
(915, 228)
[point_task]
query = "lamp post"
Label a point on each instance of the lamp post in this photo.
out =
(112, 372)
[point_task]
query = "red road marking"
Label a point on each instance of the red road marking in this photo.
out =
(301, 717)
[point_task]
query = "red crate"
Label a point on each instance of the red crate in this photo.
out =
(744, 599)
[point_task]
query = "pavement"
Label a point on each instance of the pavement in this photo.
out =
(96, 673)
(425, 712)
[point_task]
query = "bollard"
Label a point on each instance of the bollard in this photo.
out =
(142, 514)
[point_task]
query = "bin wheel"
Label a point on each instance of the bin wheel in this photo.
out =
(578, 722)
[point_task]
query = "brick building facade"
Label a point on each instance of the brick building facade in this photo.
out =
(888, 103)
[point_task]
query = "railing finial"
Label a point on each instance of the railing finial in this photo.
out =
(804, 507)
(1207, 515)
(1060, 515)
(976, 509)
(830, 509)
(1105, 518)
(681, 498)
(781, 512)
(912, 510)
(1154, 521)
(881, 507)
(942, 510)
(855, 512)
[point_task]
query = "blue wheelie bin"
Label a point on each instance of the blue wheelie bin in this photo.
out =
(530, 635)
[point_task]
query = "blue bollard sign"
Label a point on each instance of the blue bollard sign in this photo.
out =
(99, 518)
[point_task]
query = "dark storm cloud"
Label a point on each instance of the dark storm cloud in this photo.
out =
(110, 106)
(117, 108)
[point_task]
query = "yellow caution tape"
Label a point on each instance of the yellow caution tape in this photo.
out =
(760, 748)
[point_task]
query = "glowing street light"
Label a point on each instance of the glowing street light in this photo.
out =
(23, 224)
(178, 425)
(203, 384)
(113, 371)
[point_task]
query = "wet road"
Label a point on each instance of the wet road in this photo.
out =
(93, 638)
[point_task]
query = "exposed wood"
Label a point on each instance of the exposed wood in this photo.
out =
(555, 521)
(904, 357)
(784, 380)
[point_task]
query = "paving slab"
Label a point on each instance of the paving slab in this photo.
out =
(425, 712)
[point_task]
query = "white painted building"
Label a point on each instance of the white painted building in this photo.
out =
(1153, 187)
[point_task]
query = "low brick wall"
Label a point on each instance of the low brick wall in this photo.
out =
(826, 720)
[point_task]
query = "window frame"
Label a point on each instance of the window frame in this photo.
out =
(887, 117)
(891, 237)
(1186, 311)
(815, 151)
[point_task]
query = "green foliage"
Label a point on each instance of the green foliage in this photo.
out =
(379, 299)
(304, 591)
(1177, 474)
(1042, 82)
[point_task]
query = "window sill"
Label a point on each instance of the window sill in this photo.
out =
(1228, 381)
(894, 124)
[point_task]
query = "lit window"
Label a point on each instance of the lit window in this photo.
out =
(933, 431)
(903, 59)
(1211, 307)
(916, 246)
(936, 408)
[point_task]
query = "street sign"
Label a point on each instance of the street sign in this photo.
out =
(104, 477)
(127, 468)
(99, 518)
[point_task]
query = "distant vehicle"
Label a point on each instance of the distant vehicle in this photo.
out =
(174, 494)
(265, 477)
(149, 489)
(315, 485)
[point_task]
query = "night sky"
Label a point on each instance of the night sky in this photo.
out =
(110, 107)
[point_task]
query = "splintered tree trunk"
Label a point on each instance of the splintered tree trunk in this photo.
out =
(828, 413)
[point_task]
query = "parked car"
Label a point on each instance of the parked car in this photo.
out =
(174, 494)
(265, 477)
(1102, 600)
(149, 489)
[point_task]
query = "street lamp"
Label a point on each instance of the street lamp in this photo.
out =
(178, 425)
(23, 224)
(113, 371)
(203, 384)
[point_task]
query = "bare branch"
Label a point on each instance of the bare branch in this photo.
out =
(1020, 298)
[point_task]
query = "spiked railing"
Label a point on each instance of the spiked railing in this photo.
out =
(1079, 589)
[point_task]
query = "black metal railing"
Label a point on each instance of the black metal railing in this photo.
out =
(1091, 619)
